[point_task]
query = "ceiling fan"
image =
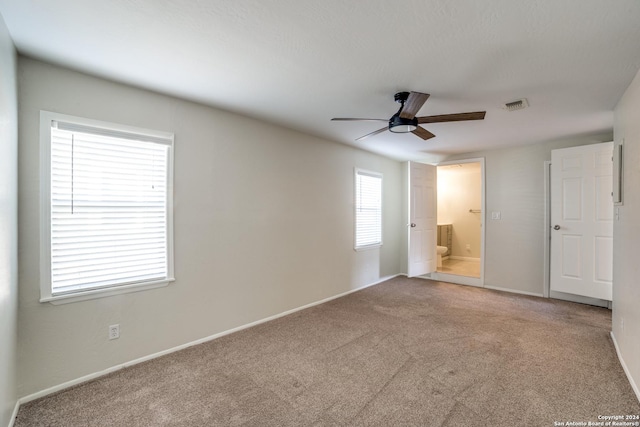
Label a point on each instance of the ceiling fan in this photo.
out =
(405, 119)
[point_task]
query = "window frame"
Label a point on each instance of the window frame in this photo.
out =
(359, 171)
(46, 292)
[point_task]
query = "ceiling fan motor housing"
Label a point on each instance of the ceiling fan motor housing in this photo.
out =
(399, 125)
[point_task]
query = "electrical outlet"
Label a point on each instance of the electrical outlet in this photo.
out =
(496, 215)
(114, 332)
(468, 246)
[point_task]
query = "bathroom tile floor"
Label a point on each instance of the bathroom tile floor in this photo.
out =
(460, 267)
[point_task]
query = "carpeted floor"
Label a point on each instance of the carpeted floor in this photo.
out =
(405, 352)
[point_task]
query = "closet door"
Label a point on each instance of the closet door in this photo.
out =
(582, 221)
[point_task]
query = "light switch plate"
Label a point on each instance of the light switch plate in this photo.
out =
(495, 215)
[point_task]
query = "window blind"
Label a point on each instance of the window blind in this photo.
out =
(368, 209)
(108, 208)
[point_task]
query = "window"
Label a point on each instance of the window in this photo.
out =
(368, 206)
(106, 208)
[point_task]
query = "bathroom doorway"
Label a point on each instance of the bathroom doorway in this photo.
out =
(460, 234)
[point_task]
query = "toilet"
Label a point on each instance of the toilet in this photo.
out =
(441, 251)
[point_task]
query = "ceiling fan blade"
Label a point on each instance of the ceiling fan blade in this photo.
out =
(373, 133)
(413, 104)
(350, 119)
(459, 117)
(422, 133)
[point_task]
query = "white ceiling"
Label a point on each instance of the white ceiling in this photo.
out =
(299, 63)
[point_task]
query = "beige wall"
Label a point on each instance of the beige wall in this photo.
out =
(514, 185)
(460, 189)
(263, 224)
(626, 236)
(8, 224)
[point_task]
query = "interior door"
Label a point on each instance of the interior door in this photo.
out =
(582, 221)
(422, 226)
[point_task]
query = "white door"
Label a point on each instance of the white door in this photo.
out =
(422, 224)
(582, 221)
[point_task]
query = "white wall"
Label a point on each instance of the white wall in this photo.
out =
(263, 224)
(460, 189)
(626, 236)
(8, 224)
(514, 185)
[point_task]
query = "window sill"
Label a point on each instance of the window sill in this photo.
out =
(105, 292)
(366, 248)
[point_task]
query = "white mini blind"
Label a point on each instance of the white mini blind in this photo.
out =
(109, 201)
(368, 209)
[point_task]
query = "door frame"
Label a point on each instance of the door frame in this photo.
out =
(547, 292)
(465, 280)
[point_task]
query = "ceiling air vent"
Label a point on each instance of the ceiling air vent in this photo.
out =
(520, 104)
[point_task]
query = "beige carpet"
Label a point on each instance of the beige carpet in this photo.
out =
(405, 352)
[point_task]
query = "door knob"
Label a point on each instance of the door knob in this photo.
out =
(556, 227)
(413, 224)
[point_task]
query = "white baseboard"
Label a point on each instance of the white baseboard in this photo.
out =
(579, 299)
(115, 368)
(16, 408)
(634, 386)
(464, 258)
(515, 291)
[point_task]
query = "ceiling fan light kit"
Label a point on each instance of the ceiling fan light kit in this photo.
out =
(405, 120)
